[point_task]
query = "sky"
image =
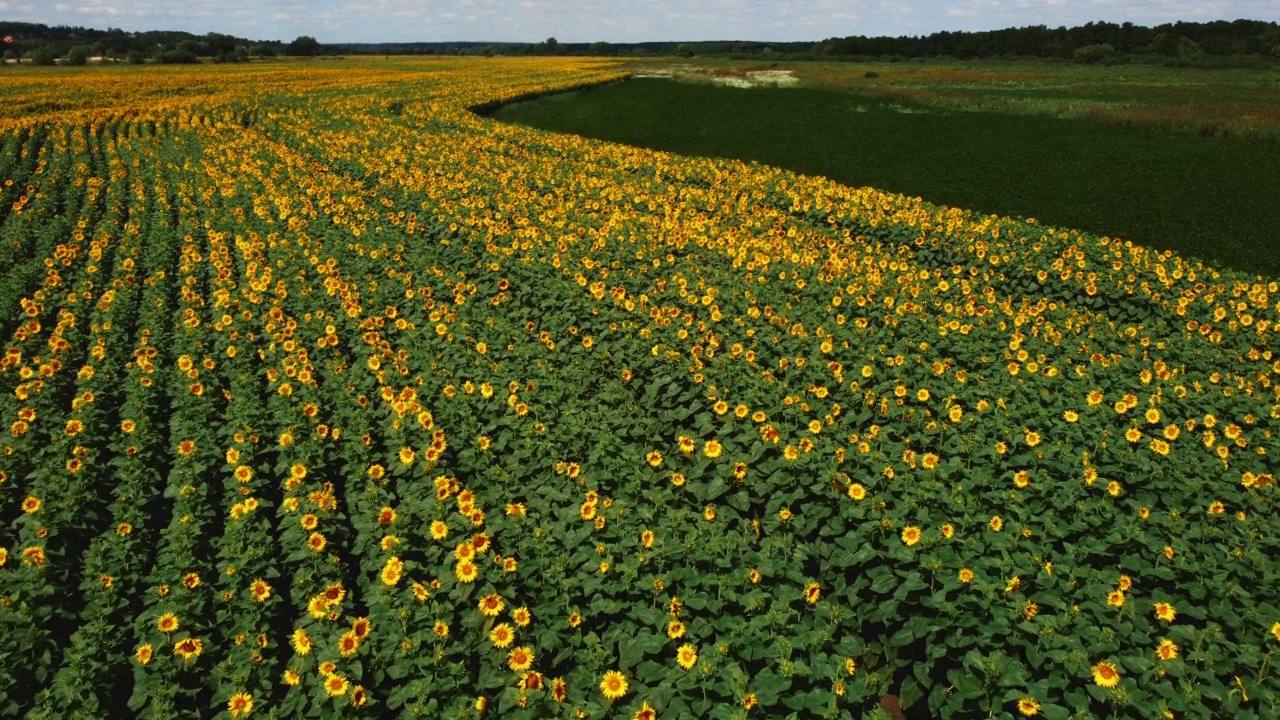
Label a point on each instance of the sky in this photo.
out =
(610, 20)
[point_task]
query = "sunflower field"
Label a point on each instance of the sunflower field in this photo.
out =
(323, 396)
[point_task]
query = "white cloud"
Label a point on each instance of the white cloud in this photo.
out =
(614, 20)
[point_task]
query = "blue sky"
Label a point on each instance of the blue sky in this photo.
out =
(612, 20)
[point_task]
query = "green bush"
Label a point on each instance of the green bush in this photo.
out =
(78, 55)
(1091, 54)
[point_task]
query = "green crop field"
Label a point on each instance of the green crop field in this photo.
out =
(1213, 198)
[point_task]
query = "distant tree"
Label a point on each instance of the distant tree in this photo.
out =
(684, 50)
(303, 45)
(264, 50)
(218, 43)
(550, 46)
(177, 56)
(134, 58)
(1188, 47)
(603, 48)
(1094, 53)
(78, 55)
(43, 55)
(1164, 44)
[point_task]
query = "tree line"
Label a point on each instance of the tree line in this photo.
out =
(39, 44)
(1212, 44)
(1219, 43)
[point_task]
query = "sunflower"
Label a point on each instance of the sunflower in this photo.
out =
(1275, 631)
(359, 696)
(966, 575)
(654, 458)
(167, 623)
(260, 590)
(520, 659)
(144, 653)
(291, 677)
(189, 648)
(948, 530)
(33, 555)
(333, 594)
(857, 491)
(491, 605)
(1115, 598)
(812, 592)
(348, 644)
(687, 656)
(336, 685)
(391, 572)
(1028, 706)
(439, 531)
(502, 635)
(361, 628)
(712, 449)
(466, 571)
(996, 523)
(521, 616)
(1167, 650)
(386, 516)
(441, 629)
(559, 690)
(532, 680)
(301, 641)
(613, 685)
(191, 581)
(646, 712)
(240, 704)
(316, 542)
(675, 629)
(31, 505)
(910, 535)
(1106, 675)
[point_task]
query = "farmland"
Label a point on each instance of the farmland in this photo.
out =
(963, 138)
(324, 396)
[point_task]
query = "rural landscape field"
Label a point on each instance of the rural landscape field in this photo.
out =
(326, 396)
